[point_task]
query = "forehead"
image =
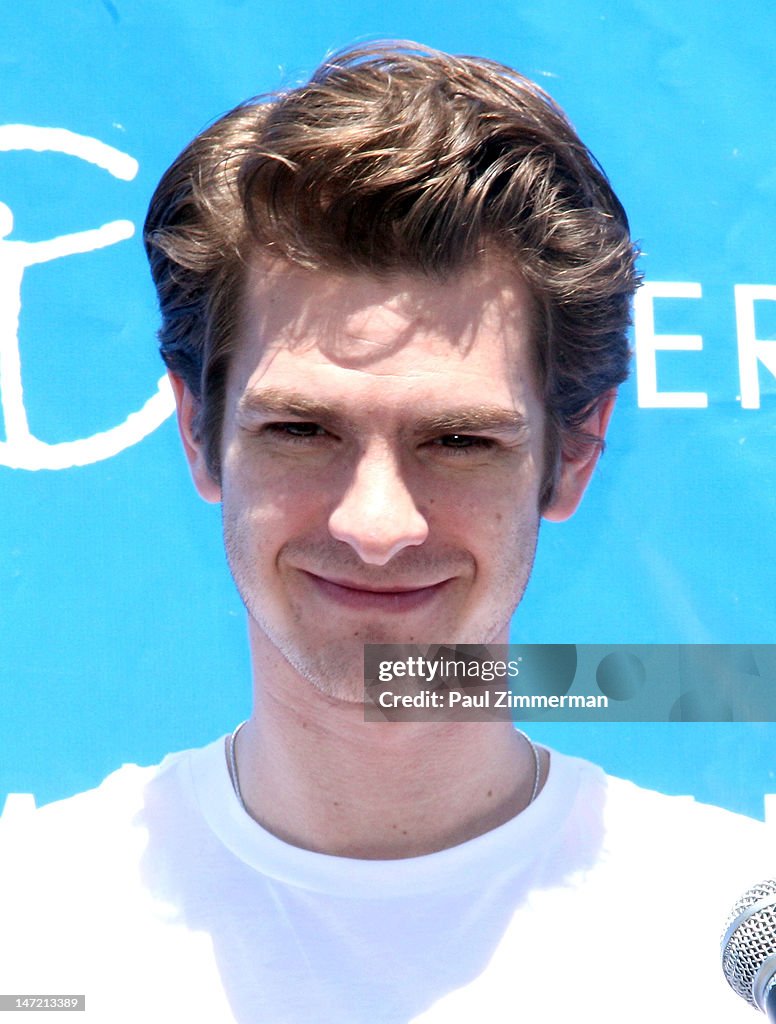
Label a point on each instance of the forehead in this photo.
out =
(477, 325)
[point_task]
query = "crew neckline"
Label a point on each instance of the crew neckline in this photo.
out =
(523, 838)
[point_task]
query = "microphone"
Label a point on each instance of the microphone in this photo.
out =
(749, 947)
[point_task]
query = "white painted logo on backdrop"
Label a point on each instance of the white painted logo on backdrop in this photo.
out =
(753, 352)
(21, 449)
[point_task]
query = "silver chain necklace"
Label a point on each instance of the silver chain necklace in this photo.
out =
(232, 764)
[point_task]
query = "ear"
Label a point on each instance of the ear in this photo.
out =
(576, 470)
(188, 406)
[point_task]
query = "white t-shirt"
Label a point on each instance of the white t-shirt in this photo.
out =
(158, 898)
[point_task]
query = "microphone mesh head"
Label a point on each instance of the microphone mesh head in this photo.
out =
(749, 938)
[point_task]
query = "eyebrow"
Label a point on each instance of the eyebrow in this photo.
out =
(277, 402)
(466, 419)
(471, 419)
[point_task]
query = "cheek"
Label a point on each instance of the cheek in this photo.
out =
(497, 505)
(267, 487)
(501, 529)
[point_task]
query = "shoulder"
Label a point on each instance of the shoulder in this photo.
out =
(77, 903)
(636, 810)
(628, 809)
(696, 852)
(636, 836)
(106, 824)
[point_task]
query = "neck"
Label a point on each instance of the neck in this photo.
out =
(318, 776)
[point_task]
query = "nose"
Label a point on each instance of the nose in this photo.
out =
(377, 515)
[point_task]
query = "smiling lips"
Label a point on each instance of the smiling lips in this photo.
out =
(361, 596)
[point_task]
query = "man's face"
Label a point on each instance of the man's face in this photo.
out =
(382, 457)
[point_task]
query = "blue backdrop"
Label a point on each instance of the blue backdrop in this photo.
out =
(121, 636)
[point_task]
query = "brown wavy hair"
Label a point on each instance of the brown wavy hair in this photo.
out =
(397, 158)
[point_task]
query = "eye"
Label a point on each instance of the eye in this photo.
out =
(462, 443)
(298, 431)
